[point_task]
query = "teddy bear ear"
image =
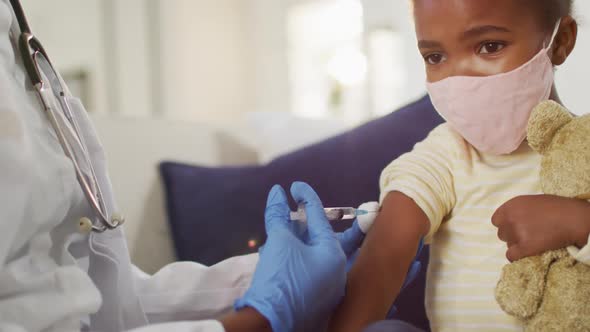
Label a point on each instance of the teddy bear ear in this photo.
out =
(546, 119)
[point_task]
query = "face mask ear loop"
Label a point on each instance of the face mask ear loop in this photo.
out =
(554, 34)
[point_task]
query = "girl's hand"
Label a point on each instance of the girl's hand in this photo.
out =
(531, 225)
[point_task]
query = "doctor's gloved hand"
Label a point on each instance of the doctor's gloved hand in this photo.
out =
(301, 275)
(350, 241)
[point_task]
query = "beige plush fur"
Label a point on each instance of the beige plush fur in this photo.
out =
(551, 292)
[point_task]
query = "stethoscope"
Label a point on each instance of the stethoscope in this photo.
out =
(35, 58)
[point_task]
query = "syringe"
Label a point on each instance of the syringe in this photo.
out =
(333, 213)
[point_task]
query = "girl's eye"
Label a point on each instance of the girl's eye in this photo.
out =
(491, 48)
(434, 58)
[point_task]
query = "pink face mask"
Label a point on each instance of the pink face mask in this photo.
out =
(492, 112)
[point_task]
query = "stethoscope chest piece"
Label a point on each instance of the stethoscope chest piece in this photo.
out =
(85, 225)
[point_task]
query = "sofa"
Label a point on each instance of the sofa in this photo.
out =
(217, 212)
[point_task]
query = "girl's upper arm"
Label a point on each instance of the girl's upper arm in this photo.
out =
(417, 192)
(380, 269)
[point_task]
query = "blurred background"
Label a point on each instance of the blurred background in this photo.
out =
(234, 82)
(211, 61)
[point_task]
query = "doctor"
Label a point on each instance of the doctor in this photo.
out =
(64, 263)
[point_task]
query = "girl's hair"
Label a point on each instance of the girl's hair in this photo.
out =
(550, 11)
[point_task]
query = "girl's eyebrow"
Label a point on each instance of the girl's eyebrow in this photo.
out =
(471, 33)
(482, 30)
(429, 44)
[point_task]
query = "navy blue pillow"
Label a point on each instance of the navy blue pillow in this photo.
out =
(214, 213)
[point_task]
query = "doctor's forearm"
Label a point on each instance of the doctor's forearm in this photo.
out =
(245, 320)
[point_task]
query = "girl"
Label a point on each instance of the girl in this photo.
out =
(471, 188)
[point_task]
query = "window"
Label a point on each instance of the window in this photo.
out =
(340, 68)
(327, 66)
(387, 72)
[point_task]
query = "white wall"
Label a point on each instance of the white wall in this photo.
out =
(573, 76)
(128, 57)
(268, 70)
(109, 39)
(182, 59)
(204, 59)
(396, 15)
(221, 59)
(73, 35)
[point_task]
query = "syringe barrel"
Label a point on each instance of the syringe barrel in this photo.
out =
(333, 214)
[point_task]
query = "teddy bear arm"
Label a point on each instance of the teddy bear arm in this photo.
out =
(520, 288)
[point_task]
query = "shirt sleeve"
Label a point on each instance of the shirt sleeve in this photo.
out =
(187, 291)
(200, 326)
(425, 175)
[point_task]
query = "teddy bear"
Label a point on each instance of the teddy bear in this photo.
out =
(551, 292)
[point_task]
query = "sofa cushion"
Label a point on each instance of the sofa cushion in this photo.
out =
(216, 213)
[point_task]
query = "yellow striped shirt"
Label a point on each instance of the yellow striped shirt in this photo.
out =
(459, 189)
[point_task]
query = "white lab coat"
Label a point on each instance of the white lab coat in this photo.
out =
(51, 276)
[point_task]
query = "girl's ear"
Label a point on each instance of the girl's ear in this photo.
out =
(565, 40)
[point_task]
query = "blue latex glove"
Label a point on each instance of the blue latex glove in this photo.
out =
(350, 240)
(301, 275)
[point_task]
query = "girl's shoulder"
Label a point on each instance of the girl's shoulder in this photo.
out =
(444, 136)
(448, 144)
